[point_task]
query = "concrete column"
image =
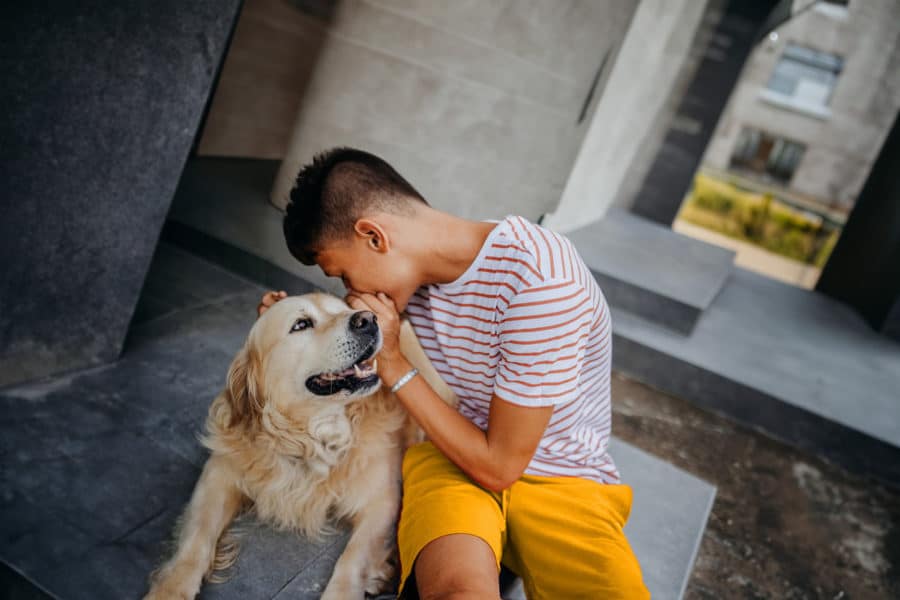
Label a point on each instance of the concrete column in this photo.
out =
(656, 46)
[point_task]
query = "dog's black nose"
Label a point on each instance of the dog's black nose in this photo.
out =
(363, 322)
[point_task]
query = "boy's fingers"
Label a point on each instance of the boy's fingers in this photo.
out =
(268, 299)
(362, 303)
(386, 299)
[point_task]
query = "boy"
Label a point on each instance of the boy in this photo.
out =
(511, 317)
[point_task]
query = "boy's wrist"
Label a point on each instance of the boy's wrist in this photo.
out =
(393, 369)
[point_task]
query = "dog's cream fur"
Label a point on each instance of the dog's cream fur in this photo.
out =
(302, 461)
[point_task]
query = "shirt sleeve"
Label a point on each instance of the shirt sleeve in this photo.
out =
(543, 335)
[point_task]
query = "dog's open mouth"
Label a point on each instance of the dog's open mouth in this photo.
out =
(362, 373)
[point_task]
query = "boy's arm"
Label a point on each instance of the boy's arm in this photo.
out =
(494, 458)
(545, 338)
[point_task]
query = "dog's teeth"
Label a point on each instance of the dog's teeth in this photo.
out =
(358, 372)
(374, 364)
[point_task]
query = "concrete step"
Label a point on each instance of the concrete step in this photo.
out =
(99, 464)
(789, 362)
(652, 271)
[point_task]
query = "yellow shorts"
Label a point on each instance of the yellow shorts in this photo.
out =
(562, 535)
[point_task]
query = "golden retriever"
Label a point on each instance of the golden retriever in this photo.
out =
(304, 434)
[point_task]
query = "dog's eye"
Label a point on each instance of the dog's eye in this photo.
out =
(301, 324)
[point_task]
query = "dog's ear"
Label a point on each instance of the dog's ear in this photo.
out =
(243, 389)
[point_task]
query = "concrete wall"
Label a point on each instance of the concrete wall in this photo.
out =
(101, 103)
(842, 147)
(476, 103)
(631, 112)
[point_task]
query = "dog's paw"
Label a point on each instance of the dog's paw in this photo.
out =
(381, 579)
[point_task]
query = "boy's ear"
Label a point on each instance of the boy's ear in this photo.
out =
(376, 236)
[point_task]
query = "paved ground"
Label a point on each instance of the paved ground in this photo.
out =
(784, 524)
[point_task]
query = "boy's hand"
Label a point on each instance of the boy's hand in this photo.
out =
(268, 299)
(388, 321)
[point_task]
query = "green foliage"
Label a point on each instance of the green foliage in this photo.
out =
(760, 219)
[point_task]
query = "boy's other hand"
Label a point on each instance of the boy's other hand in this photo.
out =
(268, 299)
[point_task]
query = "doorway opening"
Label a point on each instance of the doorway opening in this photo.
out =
(796, 141)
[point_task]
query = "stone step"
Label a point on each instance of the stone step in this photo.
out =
(652, 271)
(100, 463)
(792, 363)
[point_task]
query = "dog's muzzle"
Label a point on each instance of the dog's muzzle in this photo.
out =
(362, 371)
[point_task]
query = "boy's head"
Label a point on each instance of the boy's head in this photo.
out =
(339, 218)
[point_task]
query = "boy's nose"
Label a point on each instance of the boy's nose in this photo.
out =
(363, 322)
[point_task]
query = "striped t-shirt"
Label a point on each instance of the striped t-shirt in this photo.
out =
(526, 321)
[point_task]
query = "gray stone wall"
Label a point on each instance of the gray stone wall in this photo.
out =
(101, 103)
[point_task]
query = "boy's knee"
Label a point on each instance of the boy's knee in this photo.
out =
(471, 573)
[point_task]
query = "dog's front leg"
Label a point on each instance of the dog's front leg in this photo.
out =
(363, 566)
(214, 503)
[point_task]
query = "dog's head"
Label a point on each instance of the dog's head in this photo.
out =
(305, 350)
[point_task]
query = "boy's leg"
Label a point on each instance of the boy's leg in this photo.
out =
(565, 539)
(451, 530)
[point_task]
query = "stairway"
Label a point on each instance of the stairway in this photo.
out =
(789, 362)
(665, 278)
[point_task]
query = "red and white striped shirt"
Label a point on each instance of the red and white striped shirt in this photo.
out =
(527, 321)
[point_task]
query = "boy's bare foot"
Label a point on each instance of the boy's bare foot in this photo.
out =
(268, 299)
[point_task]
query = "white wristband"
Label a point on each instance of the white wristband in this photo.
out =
(406, 377)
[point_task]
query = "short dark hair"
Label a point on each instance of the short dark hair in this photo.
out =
(338, 187)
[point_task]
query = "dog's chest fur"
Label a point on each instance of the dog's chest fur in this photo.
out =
(302, 476)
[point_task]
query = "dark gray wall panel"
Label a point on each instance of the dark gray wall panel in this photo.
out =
(101, 104)
(725, 45)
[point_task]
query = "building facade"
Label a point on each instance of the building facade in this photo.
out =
(815, 102)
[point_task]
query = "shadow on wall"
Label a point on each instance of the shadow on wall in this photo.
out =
(267, 71)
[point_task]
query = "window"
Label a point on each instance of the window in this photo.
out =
(804, 79)
(836, 9)
(765, 154)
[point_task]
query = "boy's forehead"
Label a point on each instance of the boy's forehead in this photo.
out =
(329, 261)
